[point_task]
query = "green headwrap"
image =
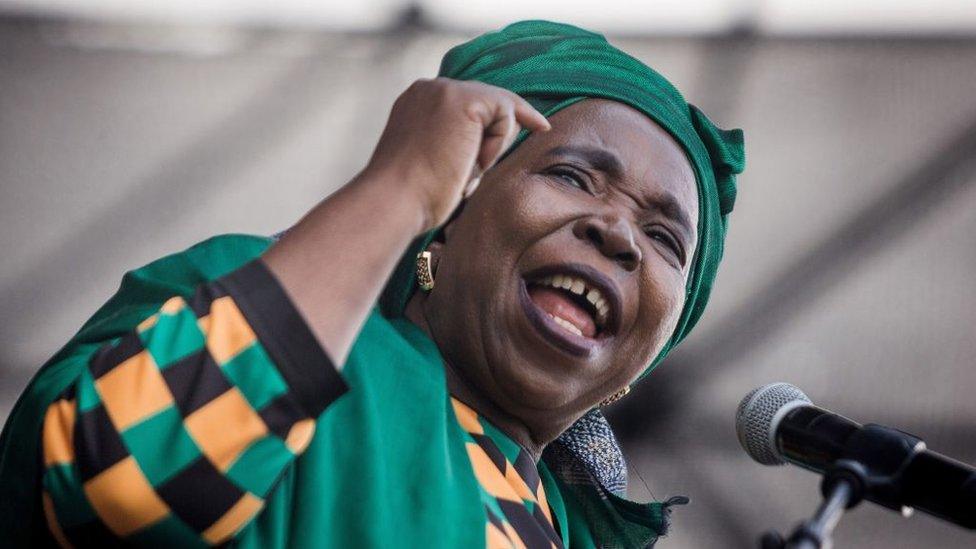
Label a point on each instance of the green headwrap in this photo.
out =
(553, 65)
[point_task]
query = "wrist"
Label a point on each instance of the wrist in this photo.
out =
(402, 204)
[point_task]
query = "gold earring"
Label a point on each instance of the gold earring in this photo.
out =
(425, 274)
(616, 396)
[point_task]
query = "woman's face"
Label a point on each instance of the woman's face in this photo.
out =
(604, 203)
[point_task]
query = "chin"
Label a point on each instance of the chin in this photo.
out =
(536, 392)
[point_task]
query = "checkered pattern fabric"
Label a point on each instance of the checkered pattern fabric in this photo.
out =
(179, 430)
(515, 502)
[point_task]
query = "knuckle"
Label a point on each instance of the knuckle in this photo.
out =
(411, 90)
(443, 89)
(474, 110)
(421, 86)
(413, 87)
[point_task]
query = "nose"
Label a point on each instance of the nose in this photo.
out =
(612, 236)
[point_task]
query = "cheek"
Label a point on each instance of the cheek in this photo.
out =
(528, 193)
(662, 298)
(522, 208)
(501, 220)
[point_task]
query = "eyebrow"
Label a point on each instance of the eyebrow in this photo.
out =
(609, 163)
(672, 209)
(601, 159)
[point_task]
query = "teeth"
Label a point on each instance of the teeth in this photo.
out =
(578, 286)
(593, 296)
(566, 325)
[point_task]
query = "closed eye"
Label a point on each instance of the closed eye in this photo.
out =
(569, 176)
(668, 240)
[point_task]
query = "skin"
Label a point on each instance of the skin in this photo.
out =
(533, 209)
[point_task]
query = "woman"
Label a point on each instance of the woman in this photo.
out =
(417, 361)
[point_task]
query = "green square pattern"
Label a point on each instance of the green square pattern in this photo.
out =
(253, 372)
(173, 337)
(260, 465)
(88, 396)
(63, 484)
(161, 445)
(507, 446)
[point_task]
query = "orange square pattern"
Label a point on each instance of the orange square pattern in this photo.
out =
(133, 391)
(58, 433)
(231, 335)
(124, 499)
(208, 427)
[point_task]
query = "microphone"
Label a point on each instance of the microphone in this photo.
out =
(777, 424)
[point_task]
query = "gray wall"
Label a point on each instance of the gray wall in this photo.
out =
(849, 258)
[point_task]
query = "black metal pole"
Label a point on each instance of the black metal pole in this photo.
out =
(816, 533)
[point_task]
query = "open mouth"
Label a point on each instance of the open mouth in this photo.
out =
(574, 305)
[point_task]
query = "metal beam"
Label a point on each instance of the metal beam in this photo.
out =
(163, 196)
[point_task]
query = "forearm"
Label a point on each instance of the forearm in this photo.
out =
(334, 263)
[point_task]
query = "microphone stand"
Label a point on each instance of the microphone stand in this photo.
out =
(849, 480)
(816, 532)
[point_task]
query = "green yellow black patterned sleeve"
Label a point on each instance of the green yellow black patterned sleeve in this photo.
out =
(178, 431)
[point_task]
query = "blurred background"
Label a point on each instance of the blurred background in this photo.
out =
(132, 129)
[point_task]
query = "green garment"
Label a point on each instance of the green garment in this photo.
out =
(553, 66)
(387, 461)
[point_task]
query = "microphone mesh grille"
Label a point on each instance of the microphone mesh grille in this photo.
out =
(754, 418)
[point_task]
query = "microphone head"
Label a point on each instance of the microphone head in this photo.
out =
(758, 416)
